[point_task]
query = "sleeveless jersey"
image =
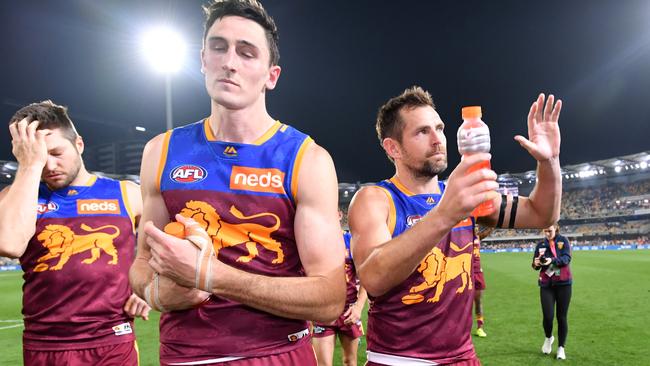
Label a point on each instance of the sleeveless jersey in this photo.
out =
(243, 195)
(352, 285)
(427, 318)
(350, 273)
(476, 252)
(76, 268)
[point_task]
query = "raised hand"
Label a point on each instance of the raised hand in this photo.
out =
(28, 144)
(543, 141)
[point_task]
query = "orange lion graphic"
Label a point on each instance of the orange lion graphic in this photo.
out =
(225, 234)
(62, 242)
(438, 269)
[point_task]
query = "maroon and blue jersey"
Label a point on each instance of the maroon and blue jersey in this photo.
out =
(244, 197)
(558, 272)
(76, 268)
(352, 289)
(476, 252)
(428, 317)
(351, 279)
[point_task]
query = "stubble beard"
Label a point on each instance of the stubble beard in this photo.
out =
(69, 177)
(429, 169)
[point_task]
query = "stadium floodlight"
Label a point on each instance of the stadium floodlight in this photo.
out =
(164, 48)
(644, 164)
(165, 51)
(618, 169)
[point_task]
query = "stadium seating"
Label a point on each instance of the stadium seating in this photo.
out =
(604, 210)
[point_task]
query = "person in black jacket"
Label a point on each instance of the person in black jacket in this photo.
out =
(552, 257)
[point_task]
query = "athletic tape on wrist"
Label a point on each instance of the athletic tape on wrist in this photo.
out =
(201, 239)
(202, 278)
(152, 294)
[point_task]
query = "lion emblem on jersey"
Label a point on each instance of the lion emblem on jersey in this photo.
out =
(438, 269)
(225, 234)
(61, 242)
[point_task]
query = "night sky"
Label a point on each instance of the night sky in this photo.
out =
(341, 60)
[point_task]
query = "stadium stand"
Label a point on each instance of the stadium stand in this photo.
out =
(605, 203)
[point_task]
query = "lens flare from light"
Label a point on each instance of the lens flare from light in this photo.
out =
(164, 49)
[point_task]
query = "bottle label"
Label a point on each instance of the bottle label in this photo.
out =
(473, 140)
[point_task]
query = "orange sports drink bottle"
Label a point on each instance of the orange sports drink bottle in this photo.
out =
(474, 137)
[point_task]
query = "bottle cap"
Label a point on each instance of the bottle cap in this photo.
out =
(471, 112)
(176, 229)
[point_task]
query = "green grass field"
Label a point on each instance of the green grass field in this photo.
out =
(609, 318)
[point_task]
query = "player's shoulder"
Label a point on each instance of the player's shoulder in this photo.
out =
(370, 199)
(314, 177)
(372, 192)
(291, 132)
(316, 156)
(160, 140)
(155, 145)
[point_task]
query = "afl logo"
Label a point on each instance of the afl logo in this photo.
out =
(188, 174)
(412, 220)
(47, 207)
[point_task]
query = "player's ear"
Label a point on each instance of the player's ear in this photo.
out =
(274, 75)
(392, 148)
(79, 144)
(202, 60)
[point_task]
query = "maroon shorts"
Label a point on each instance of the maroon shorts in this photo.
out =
(479, 281)
(339, 327)
(472, 362)
(114, 355)
(303, 355)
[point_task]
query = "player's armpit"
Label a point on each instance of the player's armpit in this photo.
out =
(134, 196)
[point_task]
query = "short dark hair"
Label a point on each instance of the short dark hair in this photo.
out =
(555, 225)
(389, 123)
(249, 9)
(50, 116)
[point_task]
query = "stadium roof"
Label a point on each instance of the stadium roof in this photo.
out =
(616, 165)
(627, 164)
